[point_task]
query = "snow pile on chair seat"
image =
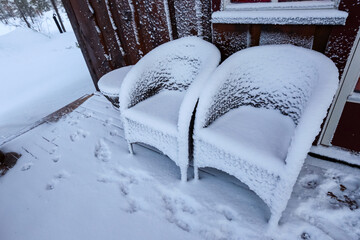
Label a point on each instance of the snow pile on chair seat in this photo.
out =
(158, 110)
(110, 83)
(261, 136)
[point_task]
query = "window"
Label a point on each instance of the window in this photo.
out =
(251, 1)
(278, 4)
(282, 12)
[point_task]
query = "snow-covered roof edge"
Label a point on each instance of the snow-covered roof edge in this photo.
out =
(282, 17)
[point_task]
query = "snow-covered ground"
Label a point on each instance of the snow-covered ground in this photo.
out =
(4, 29)
(76, 180)
(40, 73)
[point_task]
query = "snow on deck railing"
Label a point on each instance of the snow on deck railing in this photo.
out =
(282, 17)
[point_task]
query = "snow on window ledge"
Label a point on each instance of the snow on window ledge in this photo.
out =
(354, 97)
(280, 5)
(282, 17)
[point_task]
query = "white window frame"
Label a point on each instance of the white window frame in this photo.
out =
(226, 5)
(281, 13)
(344, 94)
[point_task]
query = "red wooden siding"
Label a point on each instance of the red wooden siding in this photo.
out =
(297, 35)
(114, 33)
(347, 134)
(152, 23)
(123, 21)
(216, 5)
(342, 37)
(230, 38)
(357, 87)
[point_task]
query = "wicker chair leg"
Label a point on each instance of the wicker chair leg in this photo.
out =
(196, 173)
(131, 149)
(183, 171)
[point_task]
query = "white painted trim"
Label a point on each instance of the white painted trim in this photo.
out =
(198, 11)
(282, 17)
(280, 5)
(347, 85)
(168, 19)
(354, 98)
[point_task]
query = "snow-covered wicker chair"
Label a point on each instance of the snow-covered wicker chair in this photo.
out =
(258, 116)
(159, 94)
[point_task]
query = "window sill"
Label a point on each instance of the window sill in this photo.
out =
(354, 97)
(282, 17)
(280, 5)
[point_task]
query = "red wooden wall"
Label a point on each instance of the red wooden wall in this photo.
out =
(114, 33)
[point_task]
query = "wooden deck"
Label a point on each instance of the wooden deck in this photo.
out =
(96, 111)
(45, 133)
(82, 146)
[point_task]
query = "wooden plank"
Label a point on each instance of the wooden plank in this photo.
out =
(230, 38)
(347, 134)
(205, 19)
(321, 37)
(80, 38)
(91, 35)
(108, 36)
(54, 117)
(172, 13)
(185, 17)
(152, 23)
(255, 31)
(298, 35)
(216, 5)
(124, 20)
(357, 86)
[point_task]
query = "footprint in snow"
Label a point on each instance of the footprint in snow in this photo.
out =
(56, 158)
(80, 133)
(114, 133)
(124, 189)
(26, 166)
(127, 177)
(108, 122)
(104, 179)
(88, 114)
(178, 222)
(53, 150)
(57, 179)
(227, 212)
(310, 181)
(73, 122)
(174, 208)
(132, 206)
(102, 151)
